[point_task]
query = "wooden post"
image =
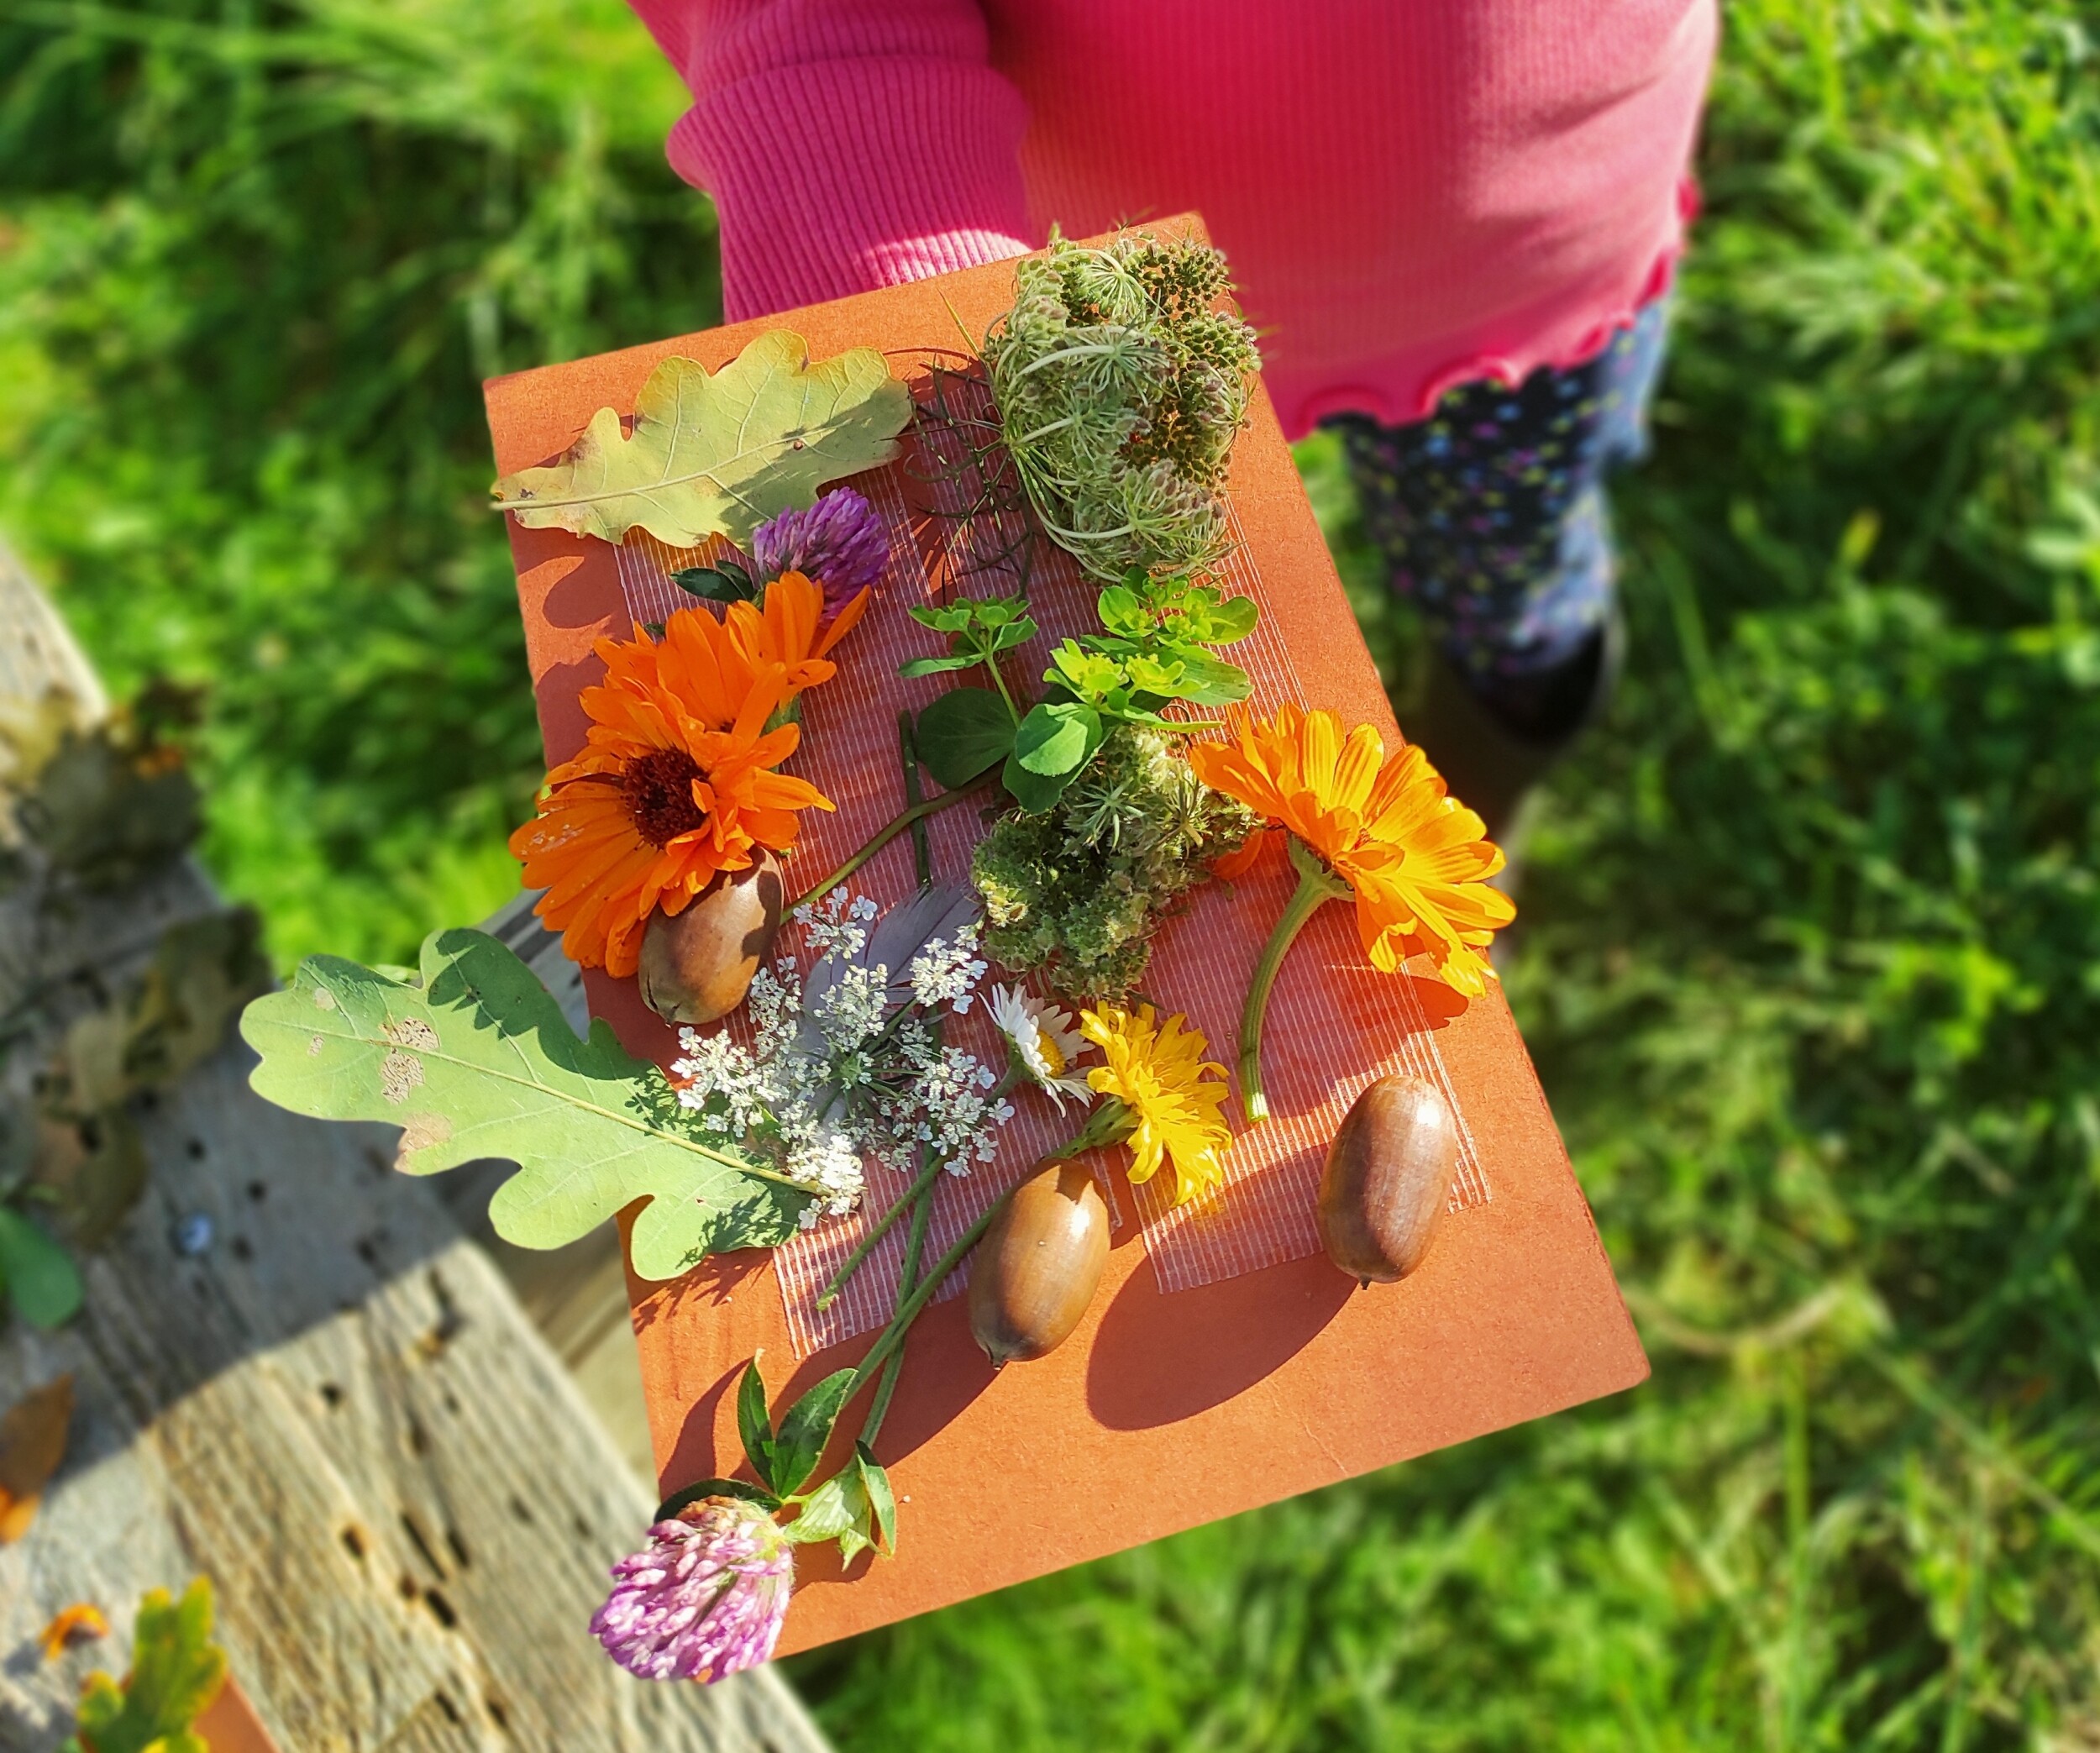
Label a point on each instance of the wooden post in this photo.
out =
(297, 1376)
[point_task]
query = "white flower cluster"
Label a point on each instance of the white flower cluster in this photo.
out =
(848, 1062)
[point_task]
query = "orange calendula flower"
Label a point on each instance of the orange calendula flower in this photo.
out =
(1387, 834)
(676, 782)
(791, 632)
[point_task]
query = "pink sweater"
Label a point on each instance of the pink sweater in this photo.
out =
(1412, 192)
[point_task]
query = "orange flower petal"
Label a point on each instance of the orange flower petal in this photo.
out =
(1417, 859)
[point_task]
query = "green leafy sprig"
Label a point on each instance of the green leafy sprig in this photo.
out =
(1151, 654)
(854, 1506)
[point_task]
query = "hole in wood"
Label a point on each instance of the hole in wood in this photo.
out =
(440, 1610)
(498, 1714)
(331, 1395)
(450, 1709)
(457, 1547)
(520, 1512)
(196, 1148)
(418, 1439)
(354, 1543)
(241, 1249)
(258, 1192)
(408, 1526)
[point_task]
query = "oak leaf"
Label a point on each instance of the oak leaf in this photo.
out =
(474, 1060)
(719, 453)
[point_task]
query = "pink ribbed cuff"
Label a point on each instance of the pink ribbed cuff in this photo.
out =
(835, 178)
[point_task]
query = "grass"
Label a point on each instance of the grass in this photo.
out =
(1811, 956)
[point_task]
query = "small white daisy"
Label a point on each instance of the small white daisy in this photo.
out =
(1042, 1042)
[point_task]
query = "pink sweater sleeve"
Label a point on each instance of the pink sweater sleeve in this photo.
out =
(848, 144)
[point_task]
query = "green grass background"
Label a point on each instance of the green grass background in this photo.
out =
(1811, 963)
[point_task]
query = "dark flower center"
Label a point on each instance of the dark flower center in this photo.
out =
(659, 791)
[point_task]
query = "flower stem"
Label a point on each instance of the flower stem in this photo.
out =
(921, 849)
(999, 681)
(866, 1246)
(917, 812)
(907, 1282)
(1316, 885)
(908, 1309)
(1107, 1125)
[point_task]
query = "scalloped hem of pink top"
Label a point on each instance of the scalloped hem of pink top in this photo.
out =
(1390, 406)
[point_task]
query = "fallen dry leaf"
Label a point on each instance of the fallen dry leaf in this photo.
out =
(32, 1444)
(79, 1623)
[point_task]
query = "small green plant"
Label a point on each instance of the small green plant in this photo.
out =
(1120, 386)
(1151, 653)
(176, 1671)
(1078, 890)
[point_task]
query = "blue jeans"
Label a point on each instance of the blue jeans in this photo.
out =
(1491, 513)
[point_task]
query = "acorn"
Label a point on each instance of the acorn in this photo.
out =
(1039, 1265)
(697, 966)
(1387, 1178)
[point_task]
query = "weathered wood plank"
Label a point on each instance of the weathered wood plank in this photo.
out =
(334, 1407)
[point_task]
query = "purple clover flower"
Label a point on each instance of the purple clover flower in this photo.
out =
(839, 542)
(704, 1599)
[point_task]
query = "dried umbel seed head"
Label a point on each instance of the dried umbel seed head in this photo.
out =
(697, 967)
(1038, 1268)
(1387, 1179)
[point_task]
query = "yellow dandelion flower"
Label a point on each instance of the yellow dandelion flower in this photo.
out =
(1167, 1093)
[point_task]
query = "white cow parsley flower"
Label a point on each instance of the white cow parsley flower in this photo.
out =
(946, 971)
(848, 1061)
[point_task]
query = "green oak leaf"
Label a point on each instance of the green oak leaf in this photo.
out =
(477, 1061)
(176, 1671)
(719, 453)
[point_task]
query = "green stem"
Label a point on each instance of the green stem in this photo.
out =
(921, 850)
(866, 1245)
(917, 812)
(908, 1309)
(999, 681)
(907, 1282)
(1316, 885)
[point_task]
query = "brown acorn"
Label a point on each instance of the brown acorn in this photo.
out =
(1387, 1177)
(1039, 1265)
(698, 965)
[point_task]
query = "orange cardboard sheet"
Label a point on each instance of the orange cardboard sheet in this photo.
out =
(1162, 1411)
(229, 1725)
